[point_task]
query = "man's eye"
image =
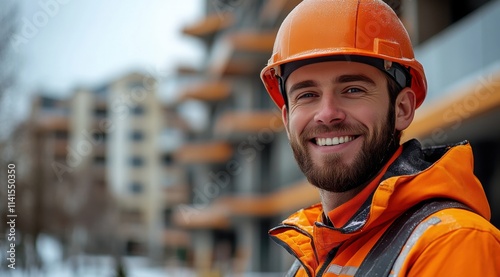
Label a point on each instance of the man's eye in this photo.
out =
(353, 90)
(306, 95)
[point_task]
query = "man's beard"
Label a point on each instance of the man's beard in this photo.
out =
(337, 176)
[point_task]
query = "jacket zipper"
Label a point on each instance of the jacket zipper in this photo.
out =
(328, 260)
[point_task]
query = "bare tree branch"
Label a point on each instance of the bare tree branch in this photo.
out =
(8, 26)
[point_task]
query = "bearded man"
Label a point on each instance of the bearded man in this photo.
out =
(345, 77)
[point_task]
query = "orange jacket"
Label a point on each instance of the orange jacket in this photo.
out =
(461, 243)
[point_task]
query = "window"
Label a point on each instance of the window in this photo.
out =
(99, 137)
(167, 159)
(100, 112)
(99, 160)
(47, 102)
(167, 217)
(435, 16)
(138, 110)
(136, 135)
(136, 161)
(136, 188)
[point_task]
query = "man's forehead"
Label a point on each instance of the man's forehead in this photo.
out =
(337, 71)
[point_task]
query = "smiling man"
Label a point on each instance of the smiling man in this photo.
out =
(353, 130)
(345, 77)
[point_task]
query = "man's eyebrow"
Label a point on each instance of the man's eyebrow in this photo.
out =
(340, 79)
(302, 84)
(354, 78)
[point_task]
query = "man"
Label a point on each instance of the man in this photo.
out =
(346, 79)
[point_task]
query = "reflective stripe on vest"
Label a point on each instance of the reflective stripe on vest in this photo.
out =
(342, 270)
(411, 242)
(419, 231)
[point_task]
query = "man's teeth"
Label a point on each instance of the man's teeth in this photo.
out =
(333, 141)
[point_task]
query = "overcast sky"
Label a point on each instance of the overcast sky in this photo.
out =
(61, 44)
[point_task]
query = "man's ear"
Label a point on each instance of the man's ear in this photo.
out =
(404, 108)
(284, 117)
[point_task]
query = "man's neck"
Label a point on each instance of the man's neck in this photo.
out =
(331, 200)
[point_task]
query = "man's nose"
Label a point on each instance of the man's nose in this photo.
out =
(329, 111)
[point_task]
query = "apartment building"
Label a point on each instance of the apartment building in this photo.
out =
(133, 160)
(241, 172)
(95, 170)
(142, 133)
(234, 165)
(50, 197)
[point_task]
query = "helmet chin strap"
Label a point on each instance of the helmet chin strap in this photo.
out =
(281, 85)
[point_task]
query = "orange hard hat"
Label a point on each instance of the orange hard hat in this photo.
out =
(352, 30)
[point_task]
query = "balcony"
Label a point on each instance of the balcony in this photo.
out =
(241, 52)
(236, 123)
(204, 152)
(208, 91)
(219, 213)
(209, 25)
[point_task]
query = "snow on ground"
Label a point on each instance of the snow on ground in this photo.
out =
(51, 253)
(98, 266)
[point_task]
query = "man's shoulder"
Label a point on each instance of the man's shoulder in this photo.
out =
(453, 242)
(457, 224)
